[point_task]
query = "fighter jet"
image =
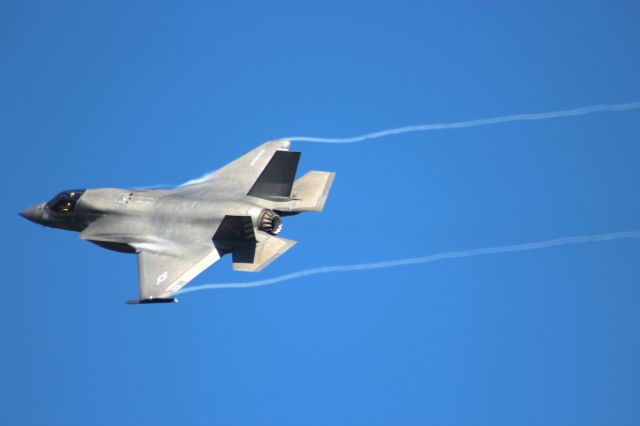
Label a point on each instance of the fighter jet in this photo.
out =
(178, 233)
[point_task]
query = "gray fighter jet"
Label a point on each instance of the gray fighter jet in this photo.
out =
(179, 233)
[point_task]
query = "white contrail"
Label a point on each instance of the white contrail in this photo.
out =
(443, 126)
(425, 259)
(472, 123)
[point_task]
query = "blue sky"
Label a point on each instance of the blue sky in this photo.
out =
(118, 94)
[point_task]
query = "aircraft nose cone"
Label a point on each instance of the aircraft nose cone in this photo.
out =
(29, 214)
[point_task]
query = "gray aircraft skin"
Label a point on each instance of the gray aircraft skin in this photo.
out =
(178, 233)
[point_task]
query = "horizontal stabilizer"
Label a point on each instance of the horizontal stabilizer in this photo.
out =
(268, 249)
(309, 193)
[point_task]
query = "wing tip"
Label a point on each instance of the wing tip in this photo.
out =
(152, 300)
(282, 144)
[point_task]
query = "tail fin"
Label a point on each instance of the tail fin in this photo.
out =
(276, 179)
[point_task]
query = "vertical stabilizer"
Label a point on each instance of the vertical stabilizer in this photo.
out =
(276, 180)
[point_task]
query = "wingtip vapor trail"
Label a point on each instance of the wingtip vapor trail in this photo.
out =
(580, 239)
(472, 123)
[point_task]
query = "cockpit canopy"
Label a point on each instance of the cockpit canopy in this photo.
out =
(65, 202)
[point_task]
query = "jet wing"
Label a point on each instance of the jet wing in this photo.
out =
(163, 274)
(241, 175)
(165, 264)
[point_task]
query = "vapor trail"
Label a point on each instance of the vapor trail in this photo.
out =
(425, 259)
(472, 123)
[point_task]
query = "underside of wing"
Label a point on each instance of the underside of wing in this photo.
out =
(165, 264)
(163, 274)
